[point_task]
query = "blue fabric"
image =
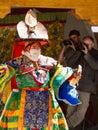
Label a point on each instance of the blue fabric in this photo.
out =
(68, 94)
(36, 109)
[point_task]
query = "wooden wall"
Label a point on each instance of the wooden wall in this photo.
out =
(83, 9)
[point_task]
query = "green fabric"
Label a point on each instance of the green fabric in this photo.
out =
(14, 101)
(52, 16)
(59, 79)
(58, 115)
(13, 119)
(15, 98)
(7, 39)
(8, 128)
(8, 77)
(28, 81)
(4, 81)
(58, 127)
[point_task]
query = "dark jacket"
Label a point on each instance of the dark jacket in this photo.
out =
(89, 63)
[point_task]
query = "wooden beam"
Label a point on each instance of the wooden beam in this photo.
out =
(84, 9)
(89, 14)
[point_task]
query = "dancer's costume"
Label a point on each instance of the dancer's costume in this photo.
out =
(33, 105)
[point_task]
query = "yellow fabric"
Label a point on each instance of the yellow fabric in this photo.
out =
(6, 94)
(50, 114)
(9, 72)
(9, 125)
(10, 113)
(54, 111)
(21, 117)
(3, 78)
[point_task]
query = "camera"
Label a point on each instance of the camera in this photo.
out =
(67, 42)
(85, 45)
(81, 47)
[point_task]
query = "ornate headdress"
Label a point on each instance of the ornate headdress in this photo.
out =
(32, 30)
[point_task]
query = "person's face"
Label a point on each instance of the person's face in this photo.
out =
(89, 43)
(32, 51)
(75, 38)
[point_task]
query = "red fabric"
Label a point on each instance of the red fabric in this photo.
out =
(35, 129)
(13, 83)
(43, 43)
(18, 47)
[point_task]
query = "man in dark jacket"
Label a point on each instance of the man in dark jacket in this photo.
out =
(87, 57)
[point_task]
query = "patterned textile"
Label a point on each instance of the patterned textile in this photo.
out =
(7, 38)
(32, 106)
(36, 109)
(68, 94)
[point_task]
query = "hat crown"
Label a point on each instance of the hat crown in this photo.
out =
(31, 28)
(31, 18)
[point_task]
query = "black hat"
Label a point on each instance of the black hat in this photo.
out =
(74, 32)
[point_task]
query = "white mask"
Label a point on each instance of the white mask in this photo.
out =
(33, 54)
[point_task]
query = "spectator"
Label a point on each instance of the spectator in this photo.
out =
(74, 37)
(87, 57)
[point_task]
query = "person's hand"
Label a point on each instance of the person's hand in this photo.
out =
(72, 46)
(78, 71)
(74, 79)
(85, 50)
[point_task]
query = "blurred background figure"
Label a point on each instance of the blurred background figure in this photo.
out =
(85, 55)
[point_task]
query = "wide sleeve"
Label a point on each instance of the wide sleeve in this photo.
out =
(6, 74)
(63, 87)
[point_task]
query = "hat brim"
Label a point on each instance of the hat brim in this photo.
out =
(41, 41)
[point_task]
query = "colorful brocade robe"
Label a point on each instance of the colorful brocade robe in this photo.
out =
(33, 106)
